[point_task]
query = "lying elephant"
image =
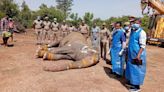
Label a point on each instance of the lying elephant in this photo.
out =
(73, 47)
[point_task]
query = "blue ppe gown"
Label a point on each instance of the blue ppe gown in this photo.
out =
(117, 61)
(135, 73)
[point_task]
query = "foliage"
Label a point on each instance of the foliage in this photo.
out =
(26, 16)
(145, 22)
(88, 18)
(75, 19)
(11, 10)
(51, 12)
(65, 6)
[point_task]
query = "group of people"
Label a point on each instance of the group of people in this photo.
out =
(48, 31)
(126, 44)
(127, 48)
(7, 27)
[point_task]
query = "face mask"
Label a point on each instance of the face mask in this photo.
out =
(135, 26)
(126, 28)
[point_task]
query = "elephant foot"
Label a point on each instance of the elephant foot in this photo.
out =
(40, 53)
(48, 56)
(56, 66)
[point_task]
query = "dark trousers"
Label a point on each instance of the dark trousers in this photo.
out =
(103, 49)
(5, 39)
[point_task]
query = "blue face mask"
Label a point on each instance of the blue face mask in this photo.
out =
(135, 26)
(126, 28)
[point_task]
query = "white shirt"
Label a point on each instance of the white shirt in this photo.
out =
(46, 25)
(55, 26)
(38, 24)
(142, 39)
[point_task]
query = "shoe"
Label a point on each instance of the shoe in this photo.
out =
(134, 90)
(128, 84)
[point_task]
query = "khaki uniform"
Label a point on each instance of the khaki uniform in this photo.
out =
(104, 35)
(38, 30)
(64, 29)
(55, 30)
(46, 30)
(84, 30)
(72, 29)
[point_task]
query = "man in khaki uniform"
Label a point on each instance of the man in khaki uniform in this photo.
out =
(84, 29)
(64, 29)
(46, 29)
(55, 30)
(104, 39)
(72, 28)
(38, 29)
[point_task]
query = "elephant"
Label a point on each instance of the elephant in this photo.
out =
(73, 47)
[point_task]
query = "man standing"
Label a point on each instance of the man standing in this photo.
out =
(95, 37)
(136, 65)
(38, 29)
(4, 29)
(84, 29)
(55, 29)
(46, 30)
(117, 50)
(104, 35)
(11, 27)
(64, 29)
(72, 28)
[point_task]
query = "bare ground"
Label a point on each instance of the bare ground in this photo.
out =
(20, 71)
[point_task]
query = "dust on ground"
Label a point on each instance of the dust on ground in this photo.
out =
(20, 71)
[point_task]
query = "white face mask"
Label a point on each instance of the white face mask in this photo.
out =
(135, 26)
(127, 28)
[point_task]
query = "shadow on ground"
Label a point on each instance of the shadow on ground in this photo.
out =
(108, 72)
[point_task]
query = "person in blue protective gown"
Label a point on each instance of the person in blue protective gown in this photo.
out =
(117, 50)
(136, 64)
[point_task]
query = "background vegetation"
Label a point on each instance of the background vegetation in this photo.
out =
(62, 11)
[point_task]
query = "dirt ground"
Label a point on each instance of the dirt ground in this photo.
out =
(20, 71)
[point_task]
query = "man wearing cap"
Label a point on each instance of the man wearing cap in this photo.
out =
(55, 29)
(84, 29)
(104, 35)
(72, 28)
(127, 29)
(64, 29)
(136, 64)
(37, 25)
(46, 30)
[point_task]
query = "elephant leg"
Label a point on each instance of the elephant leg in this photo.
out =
(62, 50)
(56, 66)
(51, 56)
(66, 65)
(86, 62)
(54, 44)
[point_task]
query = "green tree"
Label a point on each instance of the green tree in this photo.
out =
(145, 22)
(25, 16)
(75, 19)
(65, 6)
(51, 12)
(88, 18)
(9, 8)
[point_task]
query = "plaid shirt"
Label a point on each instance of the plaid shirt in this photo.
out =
(4, 24)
